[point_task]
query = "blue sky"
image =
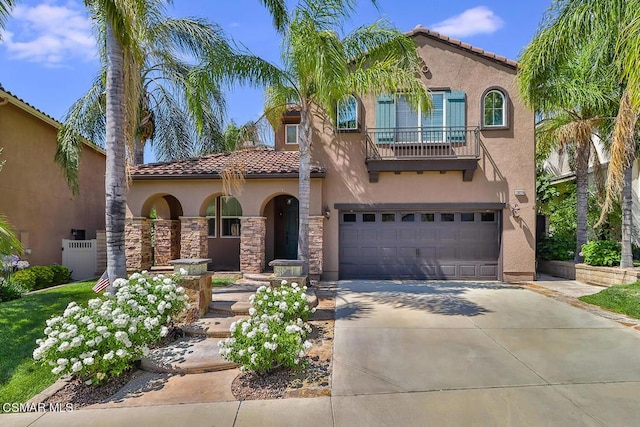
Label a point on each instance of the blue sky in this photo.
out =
(47, 55)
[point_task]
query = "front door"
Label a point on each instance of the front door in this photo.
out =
(291, 228)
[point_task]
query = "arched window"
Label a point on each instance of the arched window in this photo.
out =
(495, 106)
(347, 118)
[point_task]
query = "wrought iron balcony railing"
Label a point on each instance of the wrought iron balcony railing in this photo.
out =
(423, 143)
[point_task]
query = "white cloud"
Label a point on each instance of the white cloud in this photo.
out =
(478, 20)
(50, 34)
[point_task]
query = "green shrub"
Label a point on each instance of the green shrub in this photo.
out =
(24, 278)
(602, 252)
(44, 276)
(557, 247)
(10, 290)
(61, 274)
(288, 299)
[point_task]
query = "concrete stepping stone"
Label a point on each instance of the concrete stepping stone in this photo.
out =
(230, 307)
(188, 355)
(211, 325)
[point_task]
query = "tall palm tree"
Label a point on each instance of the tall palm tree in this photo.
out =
(576, 100)
(614, 25)
(125, 25)
(181, 115)
(322, 67)
(6, 6)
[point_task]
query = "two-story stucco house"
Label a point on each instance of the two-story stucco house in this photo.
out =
(395, 193)
(34, 195)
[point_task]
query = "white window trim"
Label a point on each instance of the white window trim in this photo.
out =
(504, 124)
(222, 217)
(356, 117)
(287, 133)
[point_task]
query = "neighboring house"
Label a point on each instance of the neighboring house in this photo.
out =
(33, 192)
(394, 193)
(557, 164)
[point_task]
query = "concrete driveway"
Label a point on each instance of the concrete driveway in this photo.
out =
(458, 353)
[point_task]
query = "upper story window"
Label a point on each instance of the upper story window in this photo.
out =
(291, 134)
(230, 213)
(347, 115)
(398, 121)
(494, 109)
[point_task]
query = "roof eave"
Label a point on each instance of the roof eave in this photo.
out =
(156, 177)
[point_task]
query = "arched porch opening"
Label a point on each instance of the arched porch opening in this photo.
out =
(281, 239)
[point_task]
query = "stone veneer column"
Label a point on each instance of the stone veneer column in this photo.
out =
(316, 229)
(167, 241)
(138, 249)
(193, 237)
(252, 243)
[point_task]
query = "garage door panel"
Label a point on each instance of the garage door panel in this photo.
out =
(424, 248)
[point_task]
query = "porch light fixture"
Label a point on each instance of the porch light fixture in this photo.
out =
(515, 210)
(327, 212)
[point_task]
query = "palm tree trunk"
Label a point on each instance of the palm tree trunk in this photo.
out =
(115, 179)
(582, 184)
(304, 187)
(138, 157)
(626, 259)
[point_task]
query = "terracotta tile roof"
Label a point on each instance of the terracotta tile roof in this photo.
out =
(420, 30)
(256, 163)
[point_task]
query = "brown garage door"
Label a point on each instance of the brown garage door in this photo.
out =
(426, 245)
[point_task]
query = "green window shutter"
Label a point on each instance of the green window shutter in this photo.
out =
(456, 115)
(385, 118)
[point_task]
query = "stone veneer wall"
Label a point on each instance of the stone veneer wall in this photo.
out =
(101, 252)
(138, 243)
(316, 227)
(252, 243)
(167, 241)
(193, 237)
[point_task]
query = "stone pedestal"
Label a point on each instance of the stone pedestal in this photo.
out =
(167, 241)
(197, 282)
(289, 270)
(316, 229)
(138, 243)
(252, 243)
(193, 237)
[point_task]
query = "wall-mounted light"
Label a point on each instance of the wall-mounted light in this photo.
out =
(515, 210)
(326, 212)
(520, 193)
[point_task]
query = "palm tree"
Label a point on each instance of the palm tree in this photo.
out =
(126, 25)
(613, 25)
(576, 100)
(321, 68)
(181, 115)
(5, 10)
(9, 243)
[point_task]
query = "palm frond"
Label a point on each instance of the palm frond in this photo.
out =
(6, 6)
(9, 243)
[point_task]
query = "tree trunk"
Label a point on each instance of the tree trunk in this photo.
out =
(582, 184)
(304, 187)
(626, 259)
(115, 178)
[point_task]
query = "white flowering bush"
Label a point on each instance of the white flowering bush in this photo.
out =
(288, 300)
(101, 340)
(274, 334)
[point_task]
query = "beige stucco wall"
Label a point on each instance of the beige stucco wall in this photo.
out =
(33, 192)
(506, 163)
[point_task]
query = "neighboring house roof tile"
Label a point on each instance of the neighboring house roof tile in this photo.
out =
(254, 163)
(24, 105)
(420, 30)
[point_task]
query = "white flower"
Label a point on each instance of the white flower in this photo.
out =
(164, 331)
(88, 361)
(121, 352)
(108, 356)
(252, 311)
(62, 361)
(152, 298)
(182, 271)
(57, 370)
(251, 334)
(64, 346)
(284, 282)
(307, 345)
(283, 306)
(270, 345)
(76, 366)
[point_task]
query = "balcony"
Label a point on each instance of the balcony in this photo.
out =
(422, 149)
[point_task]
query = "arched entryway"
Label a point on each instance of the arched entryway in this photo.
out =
(281, 240)
(164, 211)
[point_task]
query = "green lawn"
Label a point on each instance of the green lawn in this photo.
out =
(219, 282)
(22, 321)
(623, 299)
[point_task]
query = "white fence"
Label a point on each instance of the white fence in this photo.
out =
(80, 257)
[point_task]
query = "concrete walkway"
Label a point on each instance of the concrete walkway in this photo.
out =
(438, 353)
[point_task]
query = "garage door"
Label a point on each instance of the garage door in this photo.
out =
(426, 245)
